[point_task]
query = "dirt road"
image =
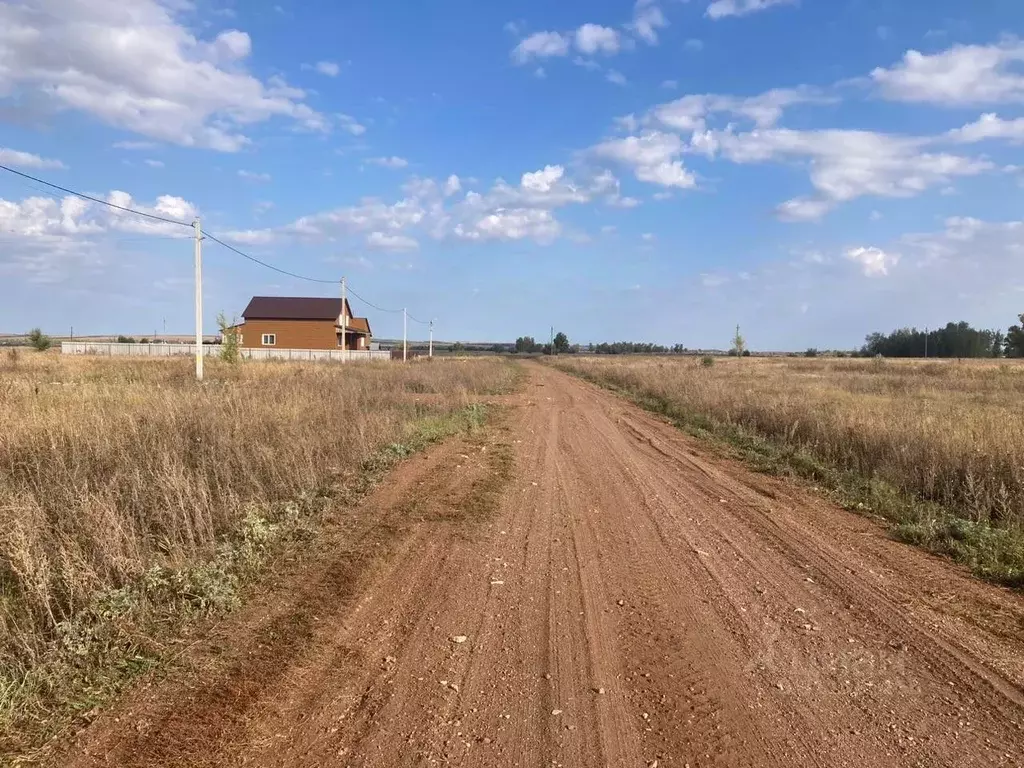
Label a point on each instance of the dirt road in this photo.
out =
(633, 601)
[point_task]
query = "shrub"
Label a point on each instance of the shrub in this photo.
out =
(125, 340)
(707, 361)
(228, 339)
(39, 340)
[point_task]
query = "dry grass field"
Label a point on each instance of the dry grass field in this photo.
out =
(126, 488)
(935, 446)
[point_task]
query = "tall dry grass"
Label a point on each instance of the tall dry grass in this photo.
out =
(947, 431)
(109, 468)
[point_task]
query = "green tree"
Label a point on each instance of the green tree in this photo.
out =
(38, 340)
(997, 344)
(1015, 339)
(228, 339)
(561, 343)
(526, 345)
(739, 344)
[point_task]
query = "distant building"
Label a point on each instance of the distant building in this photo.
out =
(290, 322)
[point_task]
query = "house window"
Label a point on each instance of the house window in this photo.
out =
(269, 339)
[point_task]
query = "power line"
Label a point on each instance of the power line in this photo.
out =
(207, 235)
(371, 304)
(95, 199)
(265, 264)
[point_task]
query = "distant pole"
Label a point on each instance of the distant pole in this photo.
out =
(199, 298)
(551, 345)
(72, 333)
(344, 320)
(405, 335)
(431, 352)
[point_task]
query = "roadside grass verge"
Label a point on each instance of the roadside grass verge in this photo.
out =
(779, 425)
(134, 502)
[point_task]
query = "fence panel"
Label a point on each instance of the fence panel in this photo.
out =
(113, 349)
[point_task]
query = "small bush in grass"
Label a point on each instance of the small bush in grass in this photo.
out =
(707, 361)
(39, 341)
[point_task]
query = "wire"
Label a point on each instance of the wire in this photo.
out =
(371, 304)
(207, 235)
(265, 264)
(95, 199)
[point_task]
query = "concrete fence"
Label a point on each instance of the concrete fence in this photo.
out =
(212, 350)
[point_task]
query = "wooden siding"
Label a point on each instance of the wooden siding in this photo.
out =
(291, 334)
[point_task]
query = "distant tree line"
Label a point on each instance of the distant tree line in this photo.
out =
(559, 346)
(635, 348)
(955, 340)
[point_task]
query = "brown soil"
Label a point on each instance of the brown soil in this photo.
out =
(631, 601)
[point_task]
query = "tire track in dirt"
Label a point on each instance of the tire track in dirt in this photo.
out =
(634, 599)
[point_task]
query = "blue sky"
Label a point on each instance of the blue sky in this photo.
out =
(656, 170)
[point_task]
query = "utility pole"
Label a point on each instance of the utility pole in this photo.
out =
(344, 320)
(405, 335)
(72, 333)
(199, 298)
(431, 352)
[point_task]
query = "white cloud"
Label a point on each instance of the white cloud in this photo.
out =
(712, 280)
(393, 162)
(960, 76)
(46, 238)
(647, 20)
(26, 160)
(350, 124)
(369, 215)
(329, 68)
(720, 9)
(232, 45)
(137, 68)
(648, 237)
(615, 77)
(511, 224)
(250, 236)
(543, 181)
(382, 241)
(873, 261)
(253, 176)
(621, 201)
(541, 45)
(452, 186)
(593, 38)
(989, 126)
(135, 145)
(154, 163)
(653, 156)
(803, 209)
(690, 112)
(845, 165)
